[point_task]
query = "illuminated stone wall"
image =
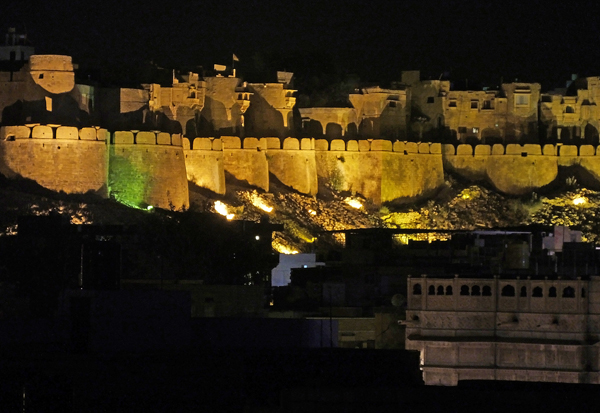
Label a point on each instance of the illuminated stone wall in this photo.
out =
(204, 163)
(380, 170)
(148, 169)
(61, 158)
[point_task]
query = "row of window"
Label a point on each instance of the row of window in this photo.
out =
(486, 290)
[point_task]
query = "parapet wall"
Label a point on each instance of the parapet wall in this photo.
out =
(59, 158)
(148, 168)
(519, 169)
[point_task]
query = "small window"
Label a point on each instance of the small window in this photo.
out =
(475, 290)
(569, 109)
(569, 292)
(452, 104)
(583, 293)
(41, 76)
(487, 291)
(508, 291)
(449, 290)
(552, 292)
(523, 291)
(474, 104)
(537, 292)
(462, 129)
(440, 290)
(464, 290)
(487, 104)
(392, 104)
(431, 290)
(521, 100)
(417, 289)
(430, 99)
(475, 130)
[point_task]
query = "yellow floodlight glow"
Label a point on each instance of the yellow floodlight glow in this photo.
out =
(258, 202)
(580, 200)
(222, 209)
(312, 212)
(354, 203)
(466, 196)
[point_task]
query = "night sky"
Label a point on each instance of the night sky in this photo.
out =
(481, 41)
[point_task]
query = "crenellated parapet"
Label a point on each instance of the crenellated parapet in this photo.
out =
(59, 158)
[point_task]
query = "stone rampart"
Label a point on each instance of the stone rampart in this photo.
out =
(59, 158)
(204, 163)
(380, 170)
(294, 164)
(148, 169)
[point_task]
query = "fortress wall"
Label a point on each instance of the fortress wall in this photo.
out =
(248, 165)
(143, 173)
(513, 169)
(380, 170)
(294, 167)
(204, 166)
(56, 158)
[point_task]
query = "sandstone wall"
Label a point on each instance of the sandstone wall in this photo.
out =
(248, 163)
(294, 164)
(204, 163)
(57, 158)
(380, 170)
(146, 169)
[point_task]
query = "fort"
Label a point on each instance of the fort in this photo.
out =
(141, 146)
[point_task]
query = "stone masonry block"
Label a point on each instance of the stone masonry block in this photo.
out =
(42, 132)
(217, 145)
(87, 134)
(102, 135)
(272, 143)
(532, 149)
(321, 145)
(176, 139)
(568, 150)
(497, 149)
(435, 148)
(251, 143)
(291, 144)
(163, 138)
(352, 146)
(549, 150)
(364, 146)
(231, 142)
(411, 147)
(67, 133)
(587, 150)
(145, 138)
(202, 144)
(464, 150)
(338, 145)
(185, 143)
(307, 144)
(424, 147)
(483, 150)
(398, 146)
(123, 137)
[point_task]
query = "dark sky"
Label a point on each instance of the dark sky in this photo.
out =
(482, 41)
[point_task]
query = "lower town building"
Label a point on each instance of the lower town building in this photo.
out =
(542, 329)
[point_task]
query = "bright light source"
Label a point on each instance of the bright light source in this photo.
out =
(222, 209)
(354, 203)
(312, 212)
(258, 202)
(257, 237)
(466, 196)
(149, 207)
(580, 200)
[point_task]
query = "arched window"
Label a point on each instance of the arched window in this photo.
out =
(417, 289)
(569, 109)
(508, 291)
(464, 290)
(431, 290)
(552, 292)
(569, 292)
(487, 290)
(475, 290)
(449, 290)
(537, 292)
(440, 290)
(523, 291)
(582, 292)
